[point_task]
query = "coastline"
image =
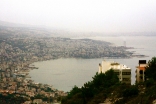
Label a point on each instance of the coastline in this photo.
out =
(56, 73)
(127, 48)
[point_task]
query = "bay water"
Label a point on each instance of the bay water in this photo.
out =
(64, 73)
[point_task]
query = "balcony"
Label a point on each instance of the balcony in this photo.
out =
(141, 71)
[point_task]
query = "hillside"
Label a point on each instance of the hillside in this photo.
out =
(106, 89)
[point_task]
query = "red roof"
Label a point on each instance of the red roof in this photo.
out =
(141, 68)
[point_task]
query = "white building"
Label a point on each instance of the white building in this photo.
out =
(123, 72)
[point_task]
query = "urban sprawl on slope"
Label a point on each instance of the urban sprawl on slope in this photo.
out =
(18, 51)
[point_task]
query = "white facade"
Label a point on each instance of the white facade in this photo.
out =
(123, 72)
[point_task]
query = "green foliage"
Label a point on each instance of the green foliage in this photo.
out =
(100, 82)
(48, 90)
(74, 91)
(98, 79)
(107, 86)
(12, 99)
(105, 80)
(149, 82)
(150, 71)
(130, 91)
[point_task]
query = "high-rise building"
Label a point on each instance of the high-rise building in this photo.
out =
(123, 72)
(124, 43)
(140, 71)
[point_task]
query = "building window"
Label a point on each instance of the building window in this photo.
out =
(141, 72)
(117, 73)
(141, 77)
(126, 73)
(125, 79)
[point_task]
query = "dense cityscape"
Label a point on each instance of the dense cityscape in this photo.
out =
(18, 52)
(77, 52)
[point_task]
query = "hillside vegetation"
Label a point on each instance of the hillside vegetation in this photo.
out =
(105, 88)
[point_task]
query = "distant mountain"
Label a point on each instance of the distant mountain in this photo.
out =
(51, 31)
(10, 24)
(65, 33)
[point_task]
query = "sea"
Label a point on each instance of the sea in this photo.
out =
(64, 73)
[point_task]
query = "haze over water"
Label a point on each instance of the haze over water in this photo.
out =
(111, 16)
(63, 74)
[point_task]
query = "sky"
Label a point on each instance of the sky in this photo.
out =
(83, 15)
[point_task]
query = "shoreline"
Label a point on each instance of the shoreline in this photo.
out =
(77, 58)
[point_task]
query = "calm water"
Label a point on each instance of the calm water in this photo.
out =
(63, 74)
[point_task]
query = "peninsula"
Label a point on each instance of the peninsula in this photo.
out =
(20, 47)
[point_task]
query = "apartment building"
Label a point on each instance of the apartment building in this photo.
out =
(140, 71)
(123, 72)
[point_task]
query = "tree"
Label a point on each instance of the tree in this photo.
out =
(105, 80)
(100, 82)
(98, 79)
(74, 91)
(130, 91)
(150, 72)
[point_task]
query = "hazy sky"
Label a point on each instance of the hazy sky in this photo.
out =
(83, 15)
